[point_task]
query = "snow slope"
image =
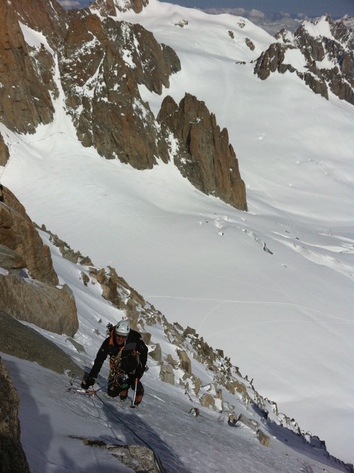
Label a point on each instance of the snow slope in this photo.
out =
(56, 420)
(284, 316)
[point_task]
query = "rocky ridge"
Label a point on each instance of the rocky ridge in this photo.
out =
(327, 57)
(98, 63)
(110, 7)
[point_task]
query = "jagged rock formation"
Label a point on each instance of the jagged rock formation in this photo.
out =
(109, 7)
(328, 59)
(102, 90)
(99, 62)
(204, 156)
(24, 100)
(18, 234)
(12, 458)
(30, 294)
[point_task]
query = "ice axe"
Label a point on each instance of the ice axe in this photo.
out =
(135, 389)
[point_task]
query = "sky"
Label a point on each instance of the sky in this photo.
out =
(337, 8)
(299, 8)
(272, 15)
(285, 318)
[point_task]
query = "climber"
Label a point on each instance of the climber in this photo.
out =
(128, 356)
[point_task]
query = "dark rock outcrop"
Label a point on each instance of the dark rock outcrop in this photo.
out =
(46, 306)
(273, 60)
(12, 456)
(35, 299)
(10, 260)
(339, 50)
(24, 99)
(18, 233)
(205, 155)
(107, 7)
(329, 60)
(151, 63)
(16, 339)
(100, 77)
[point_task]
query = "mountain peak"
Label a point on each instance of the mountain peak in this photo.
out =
(110, 7)
(320, 53)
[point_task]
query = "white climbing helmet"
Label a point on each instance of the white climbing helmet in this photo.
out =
(122, 328)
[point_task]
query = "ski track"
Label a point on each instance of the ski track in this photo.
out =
(242, 302)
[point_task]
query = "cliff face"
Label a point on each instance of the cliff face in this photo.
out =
(205, 156)
(327, 52)
(28, 289)
(24, 100)
(98, 63)
(13, 458)
(102, 92)
(17, 233)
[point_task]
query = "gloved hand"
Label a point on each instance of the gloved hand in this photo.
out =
(87, 382)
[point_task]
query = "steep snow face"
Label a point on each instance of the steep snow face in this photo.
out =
(318, 29)
(75, 431)
(66, 422)
(35, 38)
(284, 316)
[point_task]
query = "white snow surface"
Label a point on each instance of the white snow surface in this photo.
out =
(284, 317)
(54, 421)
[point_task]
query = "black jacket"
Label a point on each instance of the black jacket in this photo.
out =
(133, 356)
